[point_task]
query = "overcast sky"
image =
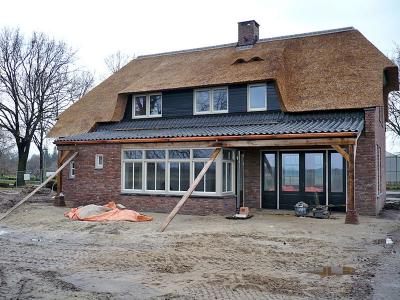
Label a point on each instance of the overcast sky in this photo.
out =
(98, 28)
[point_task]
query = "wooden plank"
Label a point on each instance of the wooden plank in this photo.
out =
(190, 190)
(351, 214)
(64, 154)
(289, 142)
(39, 187)
(217, 138)
(342, 152)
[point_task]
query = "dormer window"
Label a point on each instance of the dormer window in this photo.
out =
(211, 101)
(257, 97)
(147, 106)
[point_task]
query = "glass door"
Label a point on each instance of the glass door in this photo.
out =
(269, 180)
(337, 181)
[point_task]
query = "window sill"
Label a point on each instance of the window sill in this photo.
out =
(176, 195)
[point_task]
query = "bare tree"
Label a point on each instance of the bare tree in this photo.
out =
(394, 102)
(117, 60)
(38, 79)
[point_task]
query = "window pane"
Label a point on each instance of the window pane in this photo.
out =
(258, 97)
(155, 154)
(229, 177)
(133, 154)
(314, 172)
(140, 106)
(202, 153)
(210, 179)
(137, 175)
(179, 154)
(151, 173)
(220, 99)
(160, 182)
(198, 166)
(290, 172)
(224, 179)
(185, 176)
(227, 154)
(202, 101)
(336, 173)
(128, 176)
(174, 176)
(269, 172)
(155, 105)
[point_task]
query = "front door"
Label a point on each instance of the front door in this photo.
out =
(269, 180)
(302, 178)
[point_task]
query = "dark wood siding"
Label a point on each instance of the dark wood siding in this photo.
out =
(273, 102)
(177, 103)
(180, 102)
(237, 98)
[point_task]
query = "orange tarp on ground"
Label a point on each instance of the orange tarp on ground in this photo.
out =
(112, 214)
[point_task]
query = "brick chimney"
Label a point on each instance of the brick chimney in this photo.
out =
(247, 33)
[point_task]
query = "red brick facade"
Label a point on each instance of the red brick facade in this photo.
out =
(100, 186)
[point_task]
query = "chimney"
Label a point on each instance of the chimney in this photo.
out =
(248, 33)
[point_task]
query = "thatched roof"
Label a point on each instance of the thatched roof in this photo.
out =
(337, 69)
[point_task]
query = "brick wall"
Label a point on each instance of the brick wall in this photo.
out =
(252, 180)
(368, 202)
(91, 186)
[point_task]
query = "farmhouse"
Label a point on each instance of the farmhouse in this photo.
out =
(296, 118)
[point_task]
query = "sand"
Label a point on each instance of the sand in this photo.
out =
(44, 255)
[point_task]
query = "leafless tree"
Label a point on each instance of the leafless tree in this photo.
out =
(38, 79)
(394, 102)
(117, 60)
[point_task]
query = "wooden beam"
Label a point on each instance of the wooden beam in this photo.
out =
(218, 138)
(351, 214)
(64, 154)
(289, 142)
(342, 152)
(39, 187)
(190, 190)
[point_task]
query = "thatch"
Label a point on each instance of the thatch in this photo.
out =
(336, 70)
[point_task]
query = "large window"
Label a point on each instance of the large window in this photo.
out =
(314, 172)
(172, 171)
(290, 172)
(208, 101)
(257, 97)
(147, 106)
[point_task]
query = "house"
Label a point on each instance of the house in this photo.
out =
(298, 118)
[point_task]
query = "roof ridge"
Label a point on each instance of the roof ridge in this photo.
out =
(264, 40)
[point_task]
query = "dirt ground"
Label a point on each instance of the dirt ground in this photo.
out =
(43, 255)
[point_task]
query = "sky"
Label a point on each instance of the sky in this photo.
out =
(98, 28)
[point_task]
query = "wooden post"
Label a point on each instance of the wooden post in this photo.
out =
(39, 187)
(351, 213)
(59, 176)
(190, 190)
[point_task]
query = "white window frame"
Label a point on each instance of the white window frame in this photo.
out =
(132, 161)
(71, 173)
(167, 161)
(147, 115)
(249, 86)
(97, 164)
(211, 93)
(232, 166)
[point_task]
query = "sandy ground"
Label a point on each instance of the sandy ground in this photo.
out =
(46, 256)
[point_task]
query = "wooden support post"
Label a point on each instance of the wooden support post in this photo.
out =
(190, 190)
(39, 187)
(342, 152)
(351, 213)
(59, 176)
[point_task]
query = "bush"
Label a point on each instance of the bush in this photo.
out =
(7, 183)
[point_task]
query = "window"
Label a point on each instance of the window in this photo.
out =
(99, 161)
(336, 173)
(208, 101)
(290, 172)
(227, 170)
(269, 172)
(147, 106)
(172, 171)
(314, 172)
(257, 97)
(379, 169)
(72, 169)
